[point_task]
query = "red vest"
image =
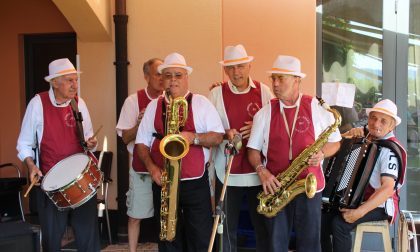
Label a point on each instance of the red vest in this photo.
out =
(370, 190)
(59, 137)
(142, 101)
(303, 136)
(241, 108)
(193, 162)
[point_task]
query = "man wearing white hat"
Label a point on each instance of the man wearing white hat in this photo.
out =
(237, 100)
(202, 130)
(381, 195)
(49, 125)
(139, 195)
(281, 131)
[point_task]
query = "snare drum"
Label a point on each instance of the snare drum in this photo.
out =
(72, 181)
(408, 239)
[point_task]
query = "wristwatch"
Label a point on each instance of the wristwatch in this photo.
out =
(196, 141)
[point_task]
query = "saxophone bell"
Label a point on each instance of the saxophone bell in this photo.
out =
(174, 147)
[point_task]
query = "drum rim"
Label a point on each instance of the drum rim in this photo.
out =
(71, 182)
(73, 206)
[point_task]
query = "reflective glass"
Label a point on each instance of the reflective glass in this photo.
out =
(413, 102)
(352, 49)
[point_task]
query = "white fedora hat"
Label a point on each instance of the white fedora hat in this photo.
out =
(235, 55)
(287, 65)
(174, 60)
(60, 67)
(386, 107)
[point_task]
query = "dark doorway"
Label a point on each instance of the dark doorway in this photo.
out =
(40, 50)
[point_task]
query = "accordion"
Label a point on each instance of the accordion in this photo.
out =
(348, 172)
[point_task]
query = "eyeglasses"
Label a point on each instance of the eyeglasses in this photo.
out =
(170, 76)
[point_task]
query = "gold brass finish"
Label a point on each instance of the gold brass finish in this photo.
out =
(271, 204)
(173, 147)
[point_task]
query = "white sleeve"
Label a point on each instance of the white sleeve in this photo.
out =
(388, 163)
(147, 128)
(322, 119)
(212, 96)
(32, 121)
(128, 115)
(207, 118)
(260, 127)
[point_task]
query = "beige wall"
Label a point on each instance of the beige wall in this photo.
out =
(97, 87)
(191, 28)
(197, 29)
(272, 27)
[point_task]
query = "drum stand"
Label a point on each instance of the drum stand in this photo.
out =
(219, 214)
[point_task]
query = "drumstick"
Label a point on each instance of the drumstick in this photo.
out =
(31, 185)
(97, 131)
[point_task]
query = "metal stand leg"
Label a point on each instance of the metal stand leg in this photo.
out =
(219, 212)
(107, 215)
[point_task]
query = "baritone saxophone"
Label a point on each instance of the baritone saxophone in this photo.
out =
(271, 204)
(173, 147)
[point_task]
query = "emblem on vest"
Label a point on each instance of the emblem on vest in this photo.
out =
(252, 109)
(69, 119)
(302, 124)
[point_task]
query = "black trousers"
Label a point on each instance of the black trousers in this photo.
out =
(232, 207)
(53, 222)
(193, 229)
(334, 225)
(302, 215)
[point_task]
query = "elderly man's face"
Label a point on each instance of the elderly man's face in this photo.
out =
(154, 78)
(238, 74)
(380, 124)
(65, 87)
(285, 87)
(176, 80)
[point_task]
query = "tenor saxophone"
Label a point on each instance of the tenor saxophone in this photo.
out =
(173, 147)
(290, 187)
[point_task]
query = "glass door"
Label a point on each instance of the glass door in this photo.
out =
(352, 52)
(413, 111)
(376, 46)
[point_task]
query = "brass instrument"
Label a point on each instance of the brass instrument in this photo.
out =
(271, 204)
(173, 147)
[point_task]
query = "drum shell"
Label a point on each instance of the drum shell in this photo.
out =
(79, 190)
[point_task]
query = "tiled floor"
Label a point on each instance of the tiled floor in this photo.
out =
(68, 245)
(143, 247)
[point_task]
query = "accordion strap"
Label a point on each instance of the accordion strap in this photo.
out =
(397, 151)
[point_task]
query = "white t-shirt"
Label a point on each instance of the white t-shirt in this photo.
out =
(128, 117)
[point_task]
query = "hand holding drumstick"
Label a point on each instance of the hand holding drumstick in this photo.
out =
(34, 181)
(34, 174)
